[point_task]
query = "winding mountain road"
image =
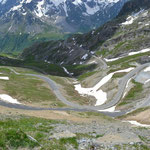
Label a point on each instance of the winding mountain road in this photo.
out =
(82, 108)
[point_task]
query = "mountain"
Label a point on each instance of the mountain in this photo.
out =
(134, 6)
(41, 20)
(115, 38)
(68, 15)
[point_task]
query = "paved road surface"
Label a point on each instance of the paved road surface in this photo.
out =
(113, 102)
(77, 107)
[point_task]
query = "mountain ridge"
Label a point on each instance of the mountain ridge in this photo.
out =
(64, 13)
(74, 49)
(43, 20)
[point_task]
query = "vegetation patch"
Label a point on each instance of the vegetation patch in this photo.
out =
(14, 133)
(101, 52)
(28, 89)
(85, 75)
(52, 69)
(69, 90)
(80, 69)
(137, 89)
(127, 59)
(118, 75)
(132, 94)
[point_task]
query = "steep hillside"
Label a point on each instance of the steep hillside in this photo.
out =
(119, 36)
(134, 6)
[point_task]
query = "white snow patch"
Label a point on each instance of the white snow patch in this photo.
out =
(77, 2)
(84, 56)
(129, 20)
(91, 10)
(4, 78)
(92, 62)
(113, 59)
(109, 76)
(99, 95)
(18, 6)
(71, 51)
(74, 63)
(138, 52)
(39, 11)
(8, 98)
(61, 63)
(147, 81)
(10, 27)
(24, 13)
(132, 18)
(28, 1)
(127, 86)
(130, 54)
(147, 69)
(147, 24)
(137, 123)
(92, 52)
(111, 109)
(67, 71)
(3, 1)
(95, 91)
(58, 2)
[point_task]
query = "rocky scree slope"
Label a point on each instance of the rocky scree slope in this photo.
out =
(107, 40)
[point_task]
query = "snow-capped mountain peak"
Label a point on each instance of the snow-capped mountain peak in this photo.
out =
(67, 15)
(3, 1)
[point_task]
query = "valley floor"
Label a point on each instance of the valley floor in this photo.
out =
(59, 126)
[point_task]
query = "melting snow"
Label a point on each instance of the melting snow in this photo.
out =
(39, 11)
(92, 62)
(77, 2)
(141, 51)
(24, 13)
(137, 123)
(113, 59)
(130, 54)
(147, 69)
(131, 19)
(92, 10)
(8, 98)
(111, 109)
(18, 6)
(85, 56)
(92, 52)
(28, 1)
(147, 81)
(127, 86)
(4, 78)
(67, 71)
(98, 94)
(58, 2)
(147, 24)
(3, 1)
(109, 76)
